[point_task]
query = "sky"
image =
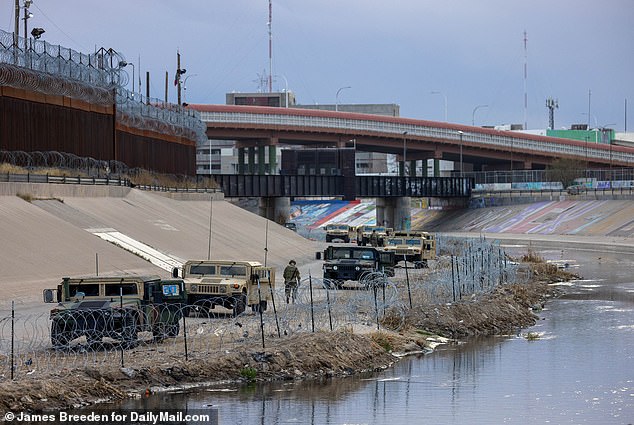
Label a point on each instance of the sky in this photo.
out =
(420, 54)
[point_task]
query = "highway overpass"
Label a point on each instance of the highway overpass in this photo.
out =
(484, 149)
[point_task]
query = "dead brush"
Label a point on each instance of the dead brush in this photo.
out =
(11, 169)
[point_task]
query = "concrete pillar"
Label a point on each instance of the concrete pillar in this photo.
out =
(261, 160)
(241, 168)
(251, 164)
(380, 210)
(436, 167)
(275, 209)
(412, 168)
(401, 168)
(402, 213)
(272, 159)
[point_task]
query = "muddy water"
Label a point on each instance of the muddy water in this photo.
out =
(580, 370)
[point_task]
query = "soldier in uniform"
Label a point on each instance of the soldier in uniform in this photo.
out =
(374, 239)
(291, 281)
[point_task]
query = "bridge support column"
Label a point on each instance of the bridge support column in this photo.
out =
(384, 211)
(436, 167)
(402, 213)
(261, 160)
(275, 209)
(412, 168)
(241, 168)
(251, 165)
(394, 212)
(272, 159)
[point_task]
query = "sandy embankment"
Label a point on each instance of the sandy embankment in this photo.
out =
(48, 239)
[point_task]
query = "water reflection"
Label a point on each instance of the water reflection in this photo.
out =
(578, 371)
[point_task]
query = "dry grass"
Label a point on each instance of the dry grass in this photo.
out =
(11, 169)
(137, 177)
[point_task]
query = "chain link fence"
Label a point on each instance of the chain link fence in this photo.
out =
(97, 78)
(32, 345)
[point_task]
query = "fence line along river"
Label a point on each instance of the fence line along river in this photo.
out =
(576, 367)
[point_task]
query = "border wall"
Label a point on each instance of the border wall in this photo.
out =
(55, 99)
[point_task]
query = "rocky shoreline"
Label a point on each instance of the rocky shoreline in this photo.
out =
(320, 355)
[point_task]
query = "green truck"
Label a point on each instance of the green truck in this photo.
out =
(117, 307)
(353, 263)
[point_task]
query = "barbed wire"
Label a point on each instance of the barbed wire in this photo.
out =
(32, 345)
(98, 78)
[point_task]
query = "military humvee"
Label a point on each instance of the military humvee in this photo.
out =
(230, 284)
(115, 307)
(342, 263)
(365, 232)
(413, 246)
(337, 231)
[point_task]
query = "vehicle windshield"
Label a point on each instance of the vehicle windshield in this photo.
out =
(337, 227)
(202, 269)
(119, 288)
(233, 270)
(395, 241)
(363, 254)
(413, 242)
(89, 289)
(379, 229)
(357, 254)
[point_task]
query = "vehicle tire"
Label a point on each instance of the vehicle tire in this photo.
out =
(328, 238)
(239, 304)
(60, 336)
(346, 239)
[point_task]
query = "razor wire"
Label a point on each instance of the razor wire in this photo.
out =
(62, 161)
(32, 345)
(98, 78)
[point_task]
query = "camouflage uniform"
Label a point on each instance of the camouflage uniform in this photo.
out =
(291, 281)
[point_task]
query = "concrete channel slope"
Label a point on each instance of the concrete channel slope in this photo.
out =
(48, 234)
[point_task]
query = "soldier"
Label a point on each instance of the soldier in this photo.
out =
(291, 281)
(374, 239)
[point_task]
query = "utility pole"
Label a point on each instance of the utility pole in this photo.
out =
(270, 23)
(16, 31)
(525, 77)
(551, 104)
(178, 77)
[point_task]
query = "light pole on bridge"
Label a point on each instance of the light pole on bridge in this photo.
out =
(337, 97)
(474, 111)
(404, 153)
(460, 133)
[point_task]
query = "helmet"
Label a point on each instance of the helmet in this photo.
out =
(292, 262)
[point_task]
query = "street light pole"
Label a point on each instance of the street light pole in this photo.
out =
(445, 96)
(185, 87)
(337, 97)
(474, 111)
(404, 153)
(285, 90)
(460, 134)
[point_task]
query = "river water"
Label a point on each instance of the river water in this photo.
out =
(579, 370)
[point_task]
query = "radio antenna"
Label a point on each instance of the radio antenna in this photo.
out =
(525, 76)
(270, 23)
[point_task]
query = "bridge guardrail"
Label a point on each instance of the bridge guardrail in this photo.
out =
(46, 178)
(559, 192)
(455, 133)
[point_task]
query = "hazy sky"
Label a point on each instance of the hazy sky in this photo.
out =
(399, 51)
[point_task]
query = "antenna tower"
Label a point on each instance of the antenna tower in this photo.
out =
(551, 104)
(270, 23)
(525, 76)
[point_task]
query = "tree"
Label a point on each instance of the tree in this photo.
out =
(565, 170)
